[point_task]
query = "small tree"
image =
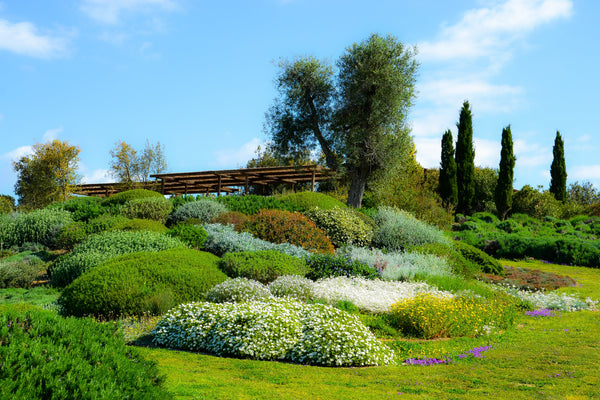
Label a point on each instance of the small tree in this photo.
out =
(558, 170)
(504, 188)
(465, 161)
(448, 188)
(47, 175)
(130, 167)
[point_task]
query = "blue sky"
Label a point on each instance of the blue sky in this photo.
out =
(198, 75)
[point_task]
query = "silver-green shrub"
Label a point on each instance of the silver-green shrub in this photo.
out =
(154, 208)
(204, 209)
(342, 225)
(399, 230)
(273, 330)
(39, 226)
(238, 290)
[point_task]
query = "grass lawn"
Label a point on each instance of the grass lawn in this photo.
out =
(542, 358)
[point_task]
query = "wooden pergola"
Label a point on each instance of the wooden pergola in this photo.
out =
(222, 181)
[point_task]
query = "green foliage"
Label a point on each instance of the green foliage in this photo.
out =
(20, 273)
(101, 247)
(238, 289)
(457, 262)
(325, 266)
(399, 230)
(203, 209)
(154, 208)
(138, 224)
(192, 235)
(223, 239)
(293, 286)
(304, 201)
(7, 204)
(130, 167)
(278, 226)
(504, 188)
(235, 218)
(584, 194)
(535, 203)
(81, 208)
(128, 195)
(39, 226)
(448, 188)
(251, 204)
(142, 283)
(465, 161)
(106, 222)
(487, 264)
(45, 356)
(72, 234)
(344, 226)
(273, 330)
(485, 181)
(47, 175)
(263, 266)
(558, 170)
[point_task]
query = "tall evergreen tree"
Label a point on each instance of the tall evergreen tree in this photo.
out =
(558, 170)
(465, 161)
(504, 187)
(448, 188)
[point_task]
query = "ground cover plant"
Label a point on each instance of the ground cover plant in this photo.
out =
(263, 266)
(528, 279)
(304, 201)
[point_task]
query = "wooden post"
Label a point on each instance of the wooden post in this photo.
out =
(185, 189)
(246, 186)
(219, 187)
(162, 187)
(313, 180)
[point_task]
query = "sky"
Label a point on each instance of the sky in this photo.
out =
(198, 76)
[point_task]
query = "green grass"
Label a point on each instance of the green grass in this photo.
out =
(38, 296)
(547, 358)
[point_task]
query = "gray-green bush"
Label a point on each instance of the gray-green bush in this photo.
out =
(204, 209)
(342, 225)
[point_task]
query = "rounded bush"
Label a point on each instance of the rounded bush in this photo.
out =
(192, 235)
(325, 266)
(273, 330)
(39, 226)
(72, 234)
(238, 290)
(458, 263)
(128, 195)
(263, 266)
(205, 210)
(293, 286)
(20, 273)
(138, 224)
(154, 208)
(488, 264)
(278, 226)
(45, 356)
(102, 247)
(81, 208)
(142, 283)
(235, 218)
(399, 230)
(343, 226)
(304, 201)
(251, 203)
(105, 222)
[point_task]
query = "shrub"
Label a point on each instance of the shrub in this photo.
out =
(154, 208)
(251, 204)
(400, 265)
(105, 222)
(72, 234)
(238, 290)
(488, 264)
(399, 230)
(6, 206)
(128, 195)
(20, 273)
(103, 246)
(39, 226)
(431, 317)
(342, 225)
(304, 201)
(457, 262)
(205, 210)
(325, 265)
(486, 217)
(142, 283)
(263, 266)
(293, 286)
(273, 330)
(192, 235)
(223, 239)
(45, 356)
(81, 208)
(535, 203)
(235, 218)
(285, 227)
(138, 224)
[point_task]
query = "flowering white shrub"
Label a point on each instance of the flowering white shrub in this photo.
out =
(370, 295)
(294, 286)
(223, 239)
(273, 330)
(399, 265)
(552, 300)
(238, 290)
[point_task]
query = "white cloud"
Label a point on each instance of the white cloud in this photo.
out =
(110, 11)
(428, 151)
(96, 176)
(531, 154)
(585, 172)
(23, 38)
(492, 32)
(51, 134)
(487, 153)
(234, 157)
(18, 153)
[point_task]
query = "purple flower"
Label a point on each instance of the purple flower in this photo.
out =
(543, 312)
(425, 361)
(475, 352)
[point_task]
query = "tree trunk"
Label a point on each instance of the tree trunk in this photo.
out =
(357, 187)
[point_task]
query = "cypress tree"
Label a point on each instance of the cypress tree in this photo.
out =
(465, 161)
(448, 188)
(504, 188)
(558, 170)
